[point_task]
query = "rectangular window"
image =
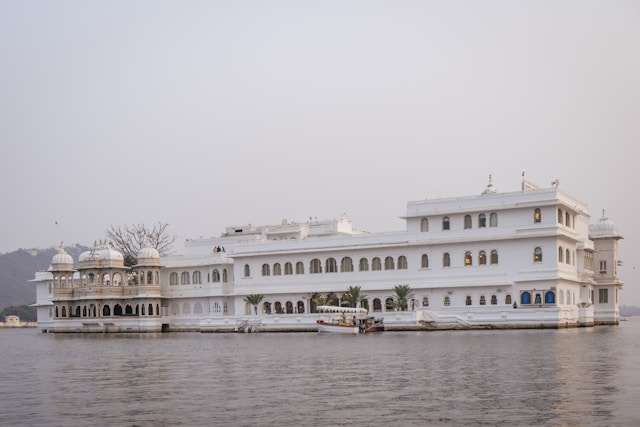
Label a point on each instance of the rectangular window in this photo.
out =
(603, 267)
(603, 296)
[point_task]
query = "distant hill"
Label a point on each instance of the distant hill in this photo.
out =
(24, 312)
(18, 267)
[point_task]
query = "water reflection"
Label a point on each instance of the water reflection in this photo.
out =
(577, 376)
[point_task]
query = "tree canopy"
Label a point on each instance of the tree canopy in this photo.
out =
(129, 239)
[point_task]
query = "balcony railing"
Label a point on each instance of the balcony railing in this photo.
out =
(106, 291)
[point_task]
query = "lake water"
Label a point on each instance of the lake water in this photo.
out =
(524, 377)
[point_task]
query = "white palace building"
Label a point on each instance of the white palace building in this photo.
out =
(524, 259)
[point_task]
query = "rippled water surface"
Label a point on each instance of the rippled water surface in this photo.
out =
(573, 377)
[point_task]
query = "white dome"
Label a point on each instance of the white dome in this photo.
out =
(603, 228)
(101, 253)
(62, 258)
(148, 253)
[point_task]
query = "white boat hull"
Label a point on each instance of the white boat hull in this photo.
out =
(336, 329)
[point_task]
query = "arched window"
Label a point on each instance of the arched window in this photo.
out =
(225, 276)
(567, 219)
(424, 225)
(158, 309)
(128, 310)
(377, 304)
(64, 311)
(446, 260)
(424, 261)
(525, 298)
(560, 216)
(467, 222)
(567, 256)
(331, 266)
(57, 313)
(173, 278)
(549, 297)
(141, 277)
(150, 310)
(402, 262)
(482, 220)
(215, 276)
(186, 308)
(468, 259)
(507, 299)
(560, 254)
(277, 270)
(494, 300)
(389, 304)
(289, 306)
(315, 266)
(364, 304)
(92, 278)
(537, 216)
(482, 258)
(247, 270)
(376, 264)
(157, 277)
(117, 310)
(493, 219)
(445, 223)
(538, 299)
(197, 278)
(494, 256)
(299, 267)
(106, 310)
(300, 307)
(141, 308)
(483, 301)
(78, 311)
(346, 265)
(537, 255)
(149, 277)
(266, 270)
(425, 301)
(447, 301)
(467, 300)
(184, 278)
(116, 279)
(266, 307)
(288, 268)
(388, 263)
(364, 264)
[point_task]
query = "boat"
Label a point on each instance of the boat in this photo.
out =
(348, 320)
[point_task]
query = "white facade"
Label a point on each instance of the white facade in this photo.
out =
(497, 260)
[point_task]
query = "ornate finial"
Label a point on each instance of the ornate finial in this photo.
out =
(555, 183)
(604, 213)
(490, 188)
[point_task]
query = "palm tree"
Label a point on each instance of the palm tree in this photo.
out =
(354, 296)
(403, 293)
(254, 300)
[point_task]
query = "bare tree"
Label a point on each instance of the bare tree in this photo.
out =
(129, 239)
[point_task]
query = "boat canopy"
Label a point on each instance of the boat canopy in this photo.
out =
(336, 309)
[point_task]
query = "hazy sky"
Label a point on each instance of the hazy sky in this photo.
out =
(207, 114)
